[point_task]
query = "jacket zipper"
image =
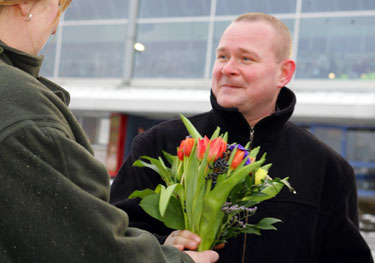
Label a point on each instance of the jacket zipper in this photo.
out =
(251, 137)
(246, 217)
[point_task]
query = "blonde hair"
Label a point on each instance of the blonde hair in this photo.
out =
(63, 3)
(283, 46)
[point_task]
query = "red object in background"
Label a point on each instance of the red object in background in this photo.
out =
(115, 150)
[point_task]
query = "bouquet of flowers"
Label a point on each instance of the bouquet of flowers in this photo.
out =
(210, 188)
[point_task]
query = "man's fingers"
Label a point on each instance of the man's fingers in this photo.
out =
(179, 247)
(189, 235)
(187, 243)
(207, 256)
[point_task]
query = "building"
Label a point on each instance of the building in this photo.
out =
(131, 63)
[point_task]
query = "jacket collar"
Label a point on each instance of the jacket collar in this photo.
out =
(31, 65)
(236, 124)
(26, 62)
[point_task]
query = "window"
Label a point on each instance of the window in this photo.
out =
(336, 5)
(49, 53)
(336, 48)
(357, 145)
(93, 51)
(361, 145)
(172, 50)
(237, 7)
(174, 8)
(330, 136)
(97, 9)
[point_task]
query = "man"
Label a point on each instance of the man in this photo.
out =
(250, 102)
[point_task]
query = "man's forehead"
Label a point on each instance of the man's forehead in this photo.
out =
(247, 31)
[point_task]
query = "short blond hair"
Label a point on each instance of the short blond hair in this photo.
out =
(283, 46)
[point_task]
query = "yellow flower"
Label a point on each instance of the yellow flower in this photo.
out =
(260, 175)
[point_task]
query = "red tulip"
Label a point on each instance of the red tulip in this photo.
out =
(217, 147)
(202, 147)
(185, 148)
(238, 157)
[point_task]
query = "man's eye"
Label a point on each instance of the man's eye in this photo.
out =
(221, 57)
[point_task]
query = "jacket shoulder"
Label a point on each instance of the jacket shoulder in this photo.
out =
(315, 147)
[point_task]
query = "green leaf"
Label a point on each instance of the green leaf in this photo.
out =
(140, 163)
(158, 188)
(190, 170)
(267, 223)
(254, 152)
(272, 189)
(215, 134)
(169, 157)
(266, 167)
(165, 196)
(251, 230)
(173, 217)
(220, 178)
(198, 204)
(190, 127)
(225, 137)
(158, 166)
(141, 193)
(286, 182)
(151, 206)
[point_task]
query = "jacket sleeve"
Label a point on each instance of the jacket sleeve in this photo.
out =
(343, 241)
(132, 178)
(54, 205)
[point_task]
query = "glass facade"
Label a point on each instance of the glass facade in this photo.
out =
(94, 9)
(333, 40)
(225, 7)
(172, 50)
(339, 48)
(174, 8)
(92, 51)
(336, 5)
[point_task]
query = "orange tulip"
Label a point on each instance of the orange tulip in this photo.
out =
(217, 147)
(185, 148)
(202, 147)
(238, 157)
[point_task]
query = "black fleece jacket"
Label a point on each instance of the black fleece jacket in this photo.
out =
(320, 222)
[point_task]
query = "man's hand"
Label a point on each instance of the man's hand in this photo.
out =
(183, 239)
(207, 256)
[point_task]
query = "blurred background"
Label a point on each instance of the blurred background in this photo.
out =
(130, 64)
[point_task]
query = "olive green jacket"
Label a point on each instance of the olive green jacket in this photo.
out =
(54, 193)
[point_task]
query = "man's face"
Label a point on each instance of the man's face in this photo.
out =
(246, 74)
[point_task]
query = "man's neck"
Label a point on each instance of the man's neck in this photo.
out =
(252, 121)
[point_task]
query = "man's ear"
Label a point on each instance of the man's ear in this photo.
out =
(25, 7)
(287, 68)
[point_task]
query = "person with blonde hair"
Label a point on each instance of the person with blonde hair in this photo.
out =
(54, 193)
(250, 101)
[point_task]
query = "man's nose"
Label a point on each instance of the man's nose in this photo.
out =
(230, 67)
